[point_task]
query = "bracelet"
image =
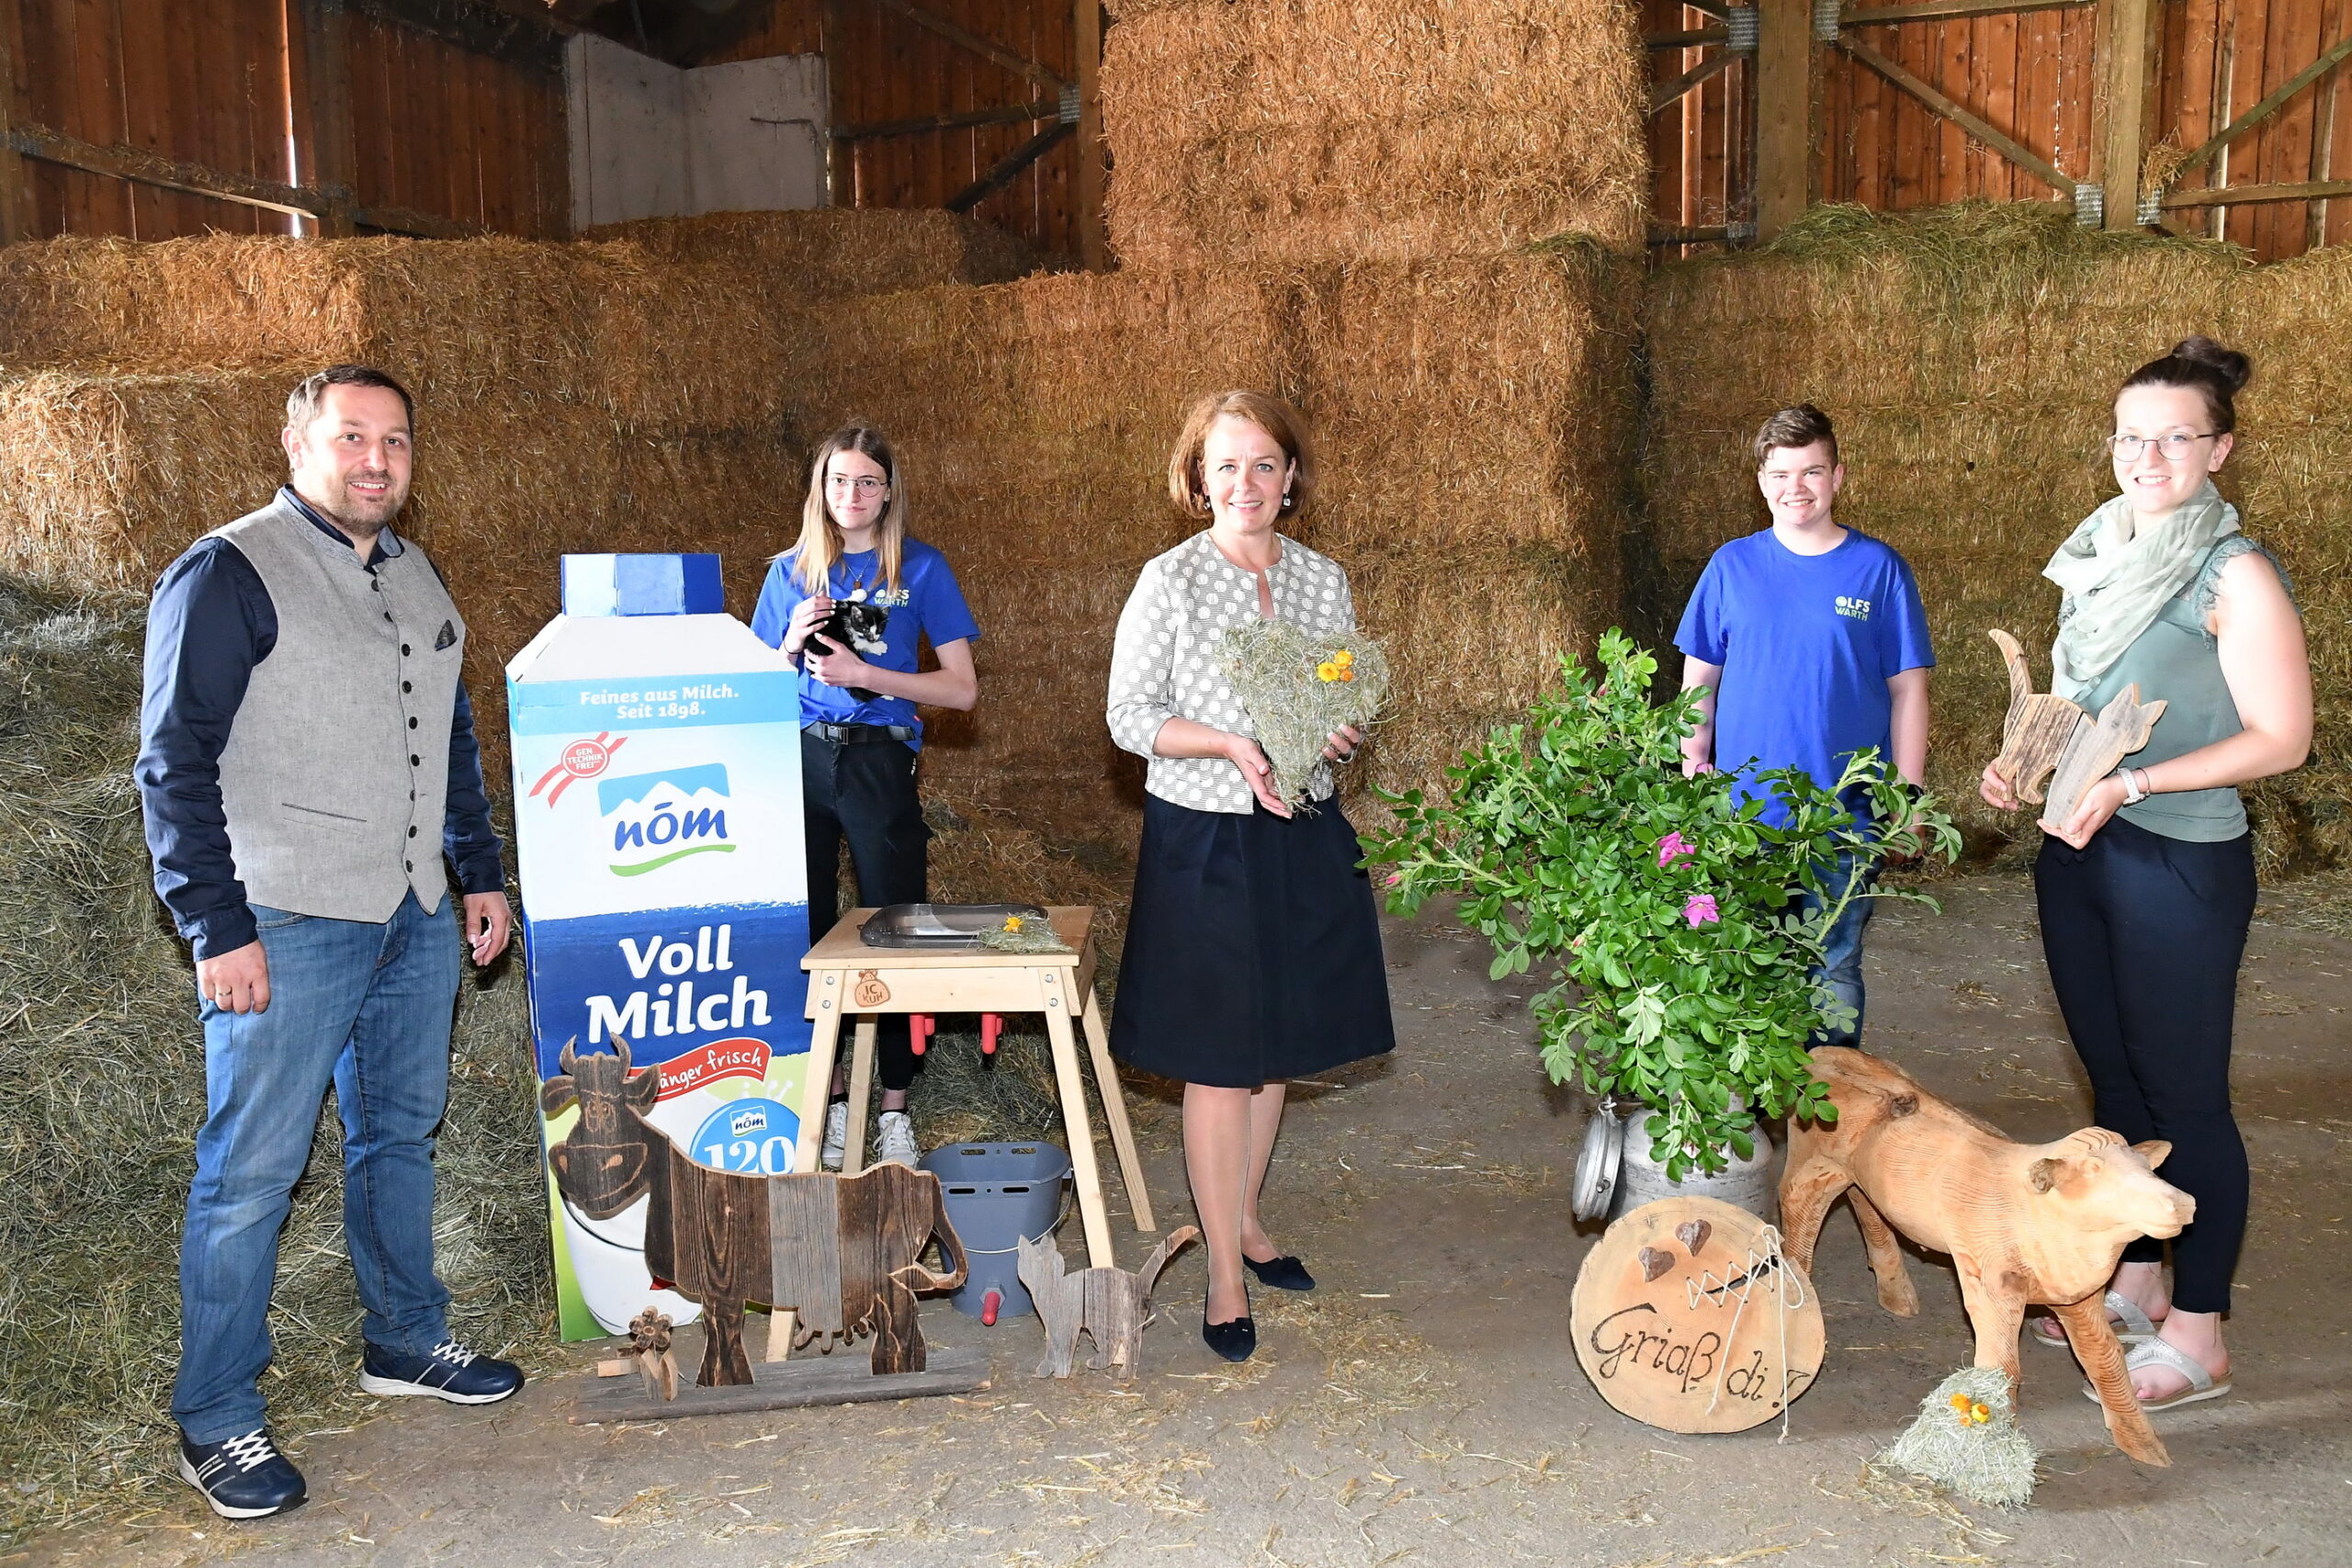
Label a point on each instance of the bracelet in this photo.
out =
(2135, 786)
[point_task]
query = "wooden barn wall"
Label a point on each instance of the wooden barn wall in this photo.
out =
(436, 129)
(442, 129)
(2035, 76)
(885, 68)
(202, 81)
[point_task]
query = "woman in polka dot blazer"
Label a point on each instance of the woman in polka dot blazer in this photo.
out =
(1253, 951)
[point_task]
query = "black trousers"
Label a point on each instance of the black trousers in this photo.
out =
(2143, 935)
(864, 793)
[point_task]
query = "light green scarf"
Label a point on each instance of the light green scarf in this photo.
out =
(2117, 571)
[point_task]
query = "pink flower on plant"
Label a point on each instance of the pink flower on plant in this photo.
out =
(1390, 879)
(1700, 910)
(1674, 847)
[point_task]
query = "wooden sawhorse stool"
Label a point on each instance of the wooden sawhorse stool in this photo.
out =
(845, 977)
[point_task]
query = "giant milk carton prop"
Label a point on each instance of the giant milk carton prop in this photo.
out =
(657, 814)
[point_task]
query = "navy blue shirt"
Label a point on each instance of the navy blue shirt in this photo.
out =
(209, 623)
(1807, 645)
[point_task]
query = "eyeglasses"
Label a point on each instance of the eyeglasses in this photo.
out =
(2174, 448)
(864, 484)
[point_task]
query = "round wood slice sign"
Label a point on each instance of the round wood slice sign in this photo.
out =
(1688, 1318)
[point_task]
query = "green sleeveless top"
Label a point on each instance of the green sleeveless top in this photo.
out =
(2177, 660)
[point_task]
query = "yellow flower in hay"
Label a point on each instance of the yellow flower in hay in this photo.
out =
(1961, 1402)
(1012, 922)
(1980, 1414)
(1327, 671)
(1343, 659)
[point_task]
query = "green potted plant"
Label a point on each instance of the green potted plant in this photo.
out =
(1659, 905)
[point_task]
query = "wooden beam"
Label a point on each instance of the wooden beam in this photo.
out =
(197, 179)
(1689, 37)
(17, 215)
(2233, 196)
(1705, 234)
(1008, 168)
(1093, 239)
(1011, 114)
(2127, 96)
(2049, 173)
(326, 155)
(1944, 10)
(1787, 74)
(838, 154)
(1666, 92)
(2328, 60)
(963, 37)
(1719, 9)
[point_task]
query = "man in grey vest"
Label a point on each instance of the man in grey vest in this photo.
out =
(307, 758)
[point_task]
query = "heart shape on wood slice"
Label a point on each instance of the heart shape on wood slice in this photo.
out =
(1693, 1236)
(1653, 1262)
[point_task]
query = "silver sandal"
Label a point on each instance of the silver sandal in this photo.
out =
(2202, 1385)
(2135, 1325)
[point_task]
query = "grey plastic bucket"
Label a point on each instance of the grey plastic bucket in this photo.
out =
(998, 1194)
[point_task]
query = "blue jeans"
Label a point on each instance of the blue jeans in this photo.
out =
(367, 1007)
(1841, 969)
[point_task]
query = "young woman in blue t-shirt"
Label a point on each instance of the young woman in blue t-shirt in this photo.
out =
(859, 730)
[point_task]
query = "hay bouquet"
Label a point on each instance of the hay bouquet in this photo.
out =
(1967, 1438)
(1299, 689)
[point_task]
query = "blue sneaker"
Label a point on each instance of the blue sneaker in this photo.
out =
(243, 1477)
(450, 1372)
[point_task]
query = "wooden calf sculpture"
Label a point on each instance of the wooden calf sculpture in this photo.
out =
(2044, 736)
(844, 1251)
(2024, 1224)
(1109, 1303)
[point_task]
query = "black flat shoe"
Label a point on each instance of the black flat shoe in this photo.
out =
(1282, 1273)
(1235, 1340)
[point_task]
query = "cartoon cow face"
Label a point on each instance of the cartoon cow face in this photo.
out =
(2104, 1185)
(604, 1165)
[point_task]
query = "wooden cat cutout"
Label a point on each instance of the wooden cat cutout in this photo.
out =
(2047, 737)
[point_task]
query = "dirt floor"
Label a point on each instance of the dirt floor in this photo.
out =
(1425, 1405)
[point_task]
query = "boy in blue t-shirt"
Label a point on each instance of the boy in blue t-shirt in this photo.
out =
(1813, 643)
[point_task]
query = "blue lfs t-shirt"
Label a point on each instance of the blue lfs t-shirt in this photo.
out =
(929, 604)
(1807, 644)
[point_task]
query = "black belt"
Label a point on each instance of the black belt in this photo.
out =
(859, 734)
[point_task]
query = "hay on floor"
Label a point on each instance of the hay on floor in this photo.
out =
(1970, 356)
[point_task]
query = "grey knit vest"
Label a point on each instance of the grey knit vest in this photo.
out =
(337, 762)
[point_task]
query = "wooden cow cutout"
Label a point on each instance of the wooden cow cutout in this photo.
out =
(2024, 1224)
(844, 1251)
(1110, 1304)
(2045, 736)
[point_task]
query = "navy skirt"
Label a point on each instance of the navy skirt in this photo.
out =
(1253, 949)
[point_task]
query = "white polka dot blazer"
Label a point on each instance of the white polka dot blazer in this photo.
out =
(1164, 663)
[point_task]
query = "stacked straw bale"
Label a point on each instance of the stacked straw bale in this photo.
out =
(1291, 130)
(835, 251)
(1970, 357)
(1474, 418)
(102, 1089)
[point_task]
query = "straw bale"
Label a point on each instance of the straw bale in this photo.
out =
(102, 1089)
(835, 250)
(1970, 357)
(1289, 130)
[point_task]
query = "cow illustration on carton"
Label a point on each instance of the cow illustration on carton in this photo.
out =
(2025, 1223)
(844, 1251)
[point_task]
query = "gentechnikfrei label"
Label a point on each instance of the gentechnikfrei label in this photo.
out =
(659, 836)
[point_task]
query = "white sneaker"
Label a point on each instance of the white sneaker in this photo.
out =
(897, 1139)
(836, 1135)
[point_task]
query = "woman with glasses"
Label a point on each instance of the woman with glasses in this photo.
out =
(859, 730)
(2147, 890)
(1253, 947)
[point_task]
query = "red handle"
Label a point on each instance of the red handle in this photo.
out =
(989, 1303)
(992, 1025)
(921, 1027)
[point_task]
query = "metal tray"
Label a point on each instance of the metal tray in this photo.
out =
(948, 928)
